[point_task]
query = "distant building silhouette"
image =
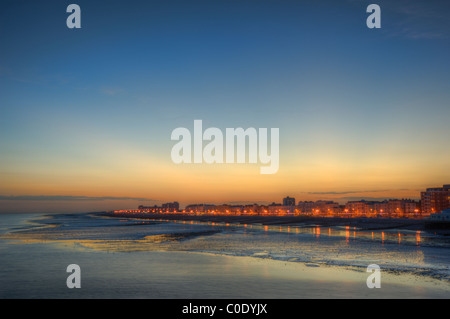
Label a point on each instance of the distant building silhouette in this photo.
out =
(171, 206)
(175, 206)
(288, 201)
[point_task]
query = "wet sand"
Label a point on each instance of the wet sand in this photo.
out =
(192, 275)
(37, 269)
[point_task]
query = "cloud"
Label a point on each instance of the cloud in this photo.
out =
(248, 203)
(419, 20)
(109, 91)
(358, 198)
(71, 198)
(347, 192)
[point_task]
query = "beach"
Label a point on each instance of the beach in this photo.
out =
(133, 258)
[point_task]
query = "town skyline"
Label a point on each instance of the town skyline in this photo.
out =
(54, 203)
(432, 200)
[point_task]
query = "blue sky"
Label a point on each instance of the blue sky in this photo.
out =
(348, 100)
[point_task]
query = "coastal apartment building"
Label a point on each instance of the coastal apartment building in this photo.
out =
(360, 207)
(175, 206)
(318, 207)
(389, 207)
(172, 207)
(288, 201)
(435, 200)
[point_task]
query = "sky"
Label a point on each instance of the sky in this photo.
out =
(86, 114)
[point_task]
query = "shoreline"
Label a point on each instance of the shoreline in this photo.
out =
(158, 274)
(362, 223)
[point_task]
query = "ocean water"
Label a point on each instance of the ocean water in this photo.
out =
(132, 258)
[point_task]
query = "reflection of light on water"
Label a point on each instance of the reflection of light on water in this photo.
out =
(344, 231)
(347, 233)
(418, 238)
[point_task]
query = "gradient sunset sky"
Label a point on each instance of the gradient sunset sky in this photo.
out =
(86, 114)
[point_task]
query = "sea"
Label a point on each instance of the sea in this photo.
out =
(161, 259)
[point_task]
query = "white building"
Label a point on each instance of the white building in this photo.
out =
(444, 216)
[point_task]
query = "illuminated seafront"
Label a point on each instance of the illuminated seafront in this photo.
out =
(148, 258)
